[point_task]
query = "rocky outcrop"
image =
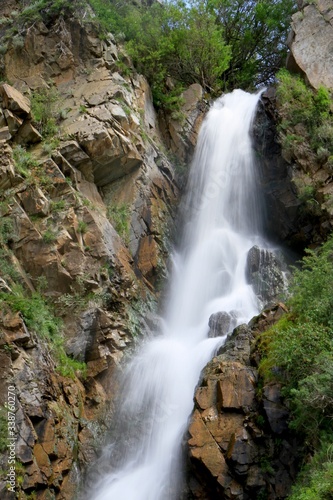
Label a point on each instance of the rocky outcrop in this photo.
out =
(311, 43)
(239, 444)
(85, 220)
(181, 128)
(287, 217)
(265, 273)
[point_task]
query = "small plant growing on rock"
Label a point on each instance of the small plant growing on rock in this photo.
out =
(82, 227)
(83, 109)
(24, 161)
(45, 110)
(49, 236)
(120, 219)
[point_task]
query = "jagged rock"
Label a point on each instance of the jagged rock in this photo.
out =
(181, 131)
(27, 134)
(8, 176)
(77, 158)
(14, 101)
(276, 412)
(13, 122)
(264, 273)
(113, 155)
(311, 43)
(35, 202)
(282, 214)
(228, 443)
(220, 324)
(5, 135)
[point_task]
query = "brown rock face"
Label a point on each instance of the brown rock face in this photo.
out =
(58, 237)
(181, 131)
(233, 432)
(311, 43)
(14, 101)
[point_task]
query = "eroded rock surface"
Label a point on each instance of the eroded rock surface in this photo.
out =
(239, 446)
(311, 42)
(88, 224)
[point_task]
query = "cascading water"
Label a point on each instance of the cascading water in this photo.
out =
(209, 275)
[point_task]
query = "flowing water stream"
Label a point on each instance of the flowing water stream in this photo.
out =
(209, 275)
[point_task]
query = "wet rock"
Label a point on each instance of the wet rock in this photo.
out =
(276, 412)
(264, 272)
(232, 433)
(220, 324)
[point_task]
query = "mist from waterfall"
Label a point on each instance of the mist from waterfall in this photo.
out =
(209, 275)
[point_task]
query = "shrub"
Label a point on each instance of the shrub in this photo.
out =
(82, 227)
(298, 350)
(45, 110)
(40, 319)
(316, 479)
(49, 236)
(120, 218)
(24, 161)
(299, 105)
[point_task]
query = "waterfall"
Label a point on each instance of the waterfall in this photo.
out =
(209, 275)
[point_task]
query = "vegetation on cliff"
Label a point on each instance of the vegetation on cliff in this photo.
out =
(298, 351)
(221, 44)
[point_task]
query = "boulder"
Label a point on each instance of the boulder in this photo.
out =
(27, 134)
(5, 135)
(312, 43)
(220, 324)
(265, 273)
(14, 101)
(13, 122)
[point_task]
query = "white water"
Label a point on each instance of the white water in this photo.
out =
(208, 276)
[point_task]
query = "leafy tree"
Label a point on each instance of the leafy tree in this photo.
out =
(180, 41)
(220, 44)
(256, 31)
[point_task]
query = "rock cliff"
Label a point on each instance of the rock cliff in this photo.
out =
(86, 213)
(239, 445)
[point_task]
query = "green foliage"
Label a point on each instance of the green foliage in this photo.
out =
(7, 271)
(57, 206)
(300, 106)
(37, 314)
(40, 319)
(83, 109)
(312, 287)
(298, 350)
(256, 32)
(82, 227)
(6, 230)
(49, 236)
(3, 430)
(45, 110)
(120, 217)
(24, 161)
(48, 10)
(217, 43)
(316, 479)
